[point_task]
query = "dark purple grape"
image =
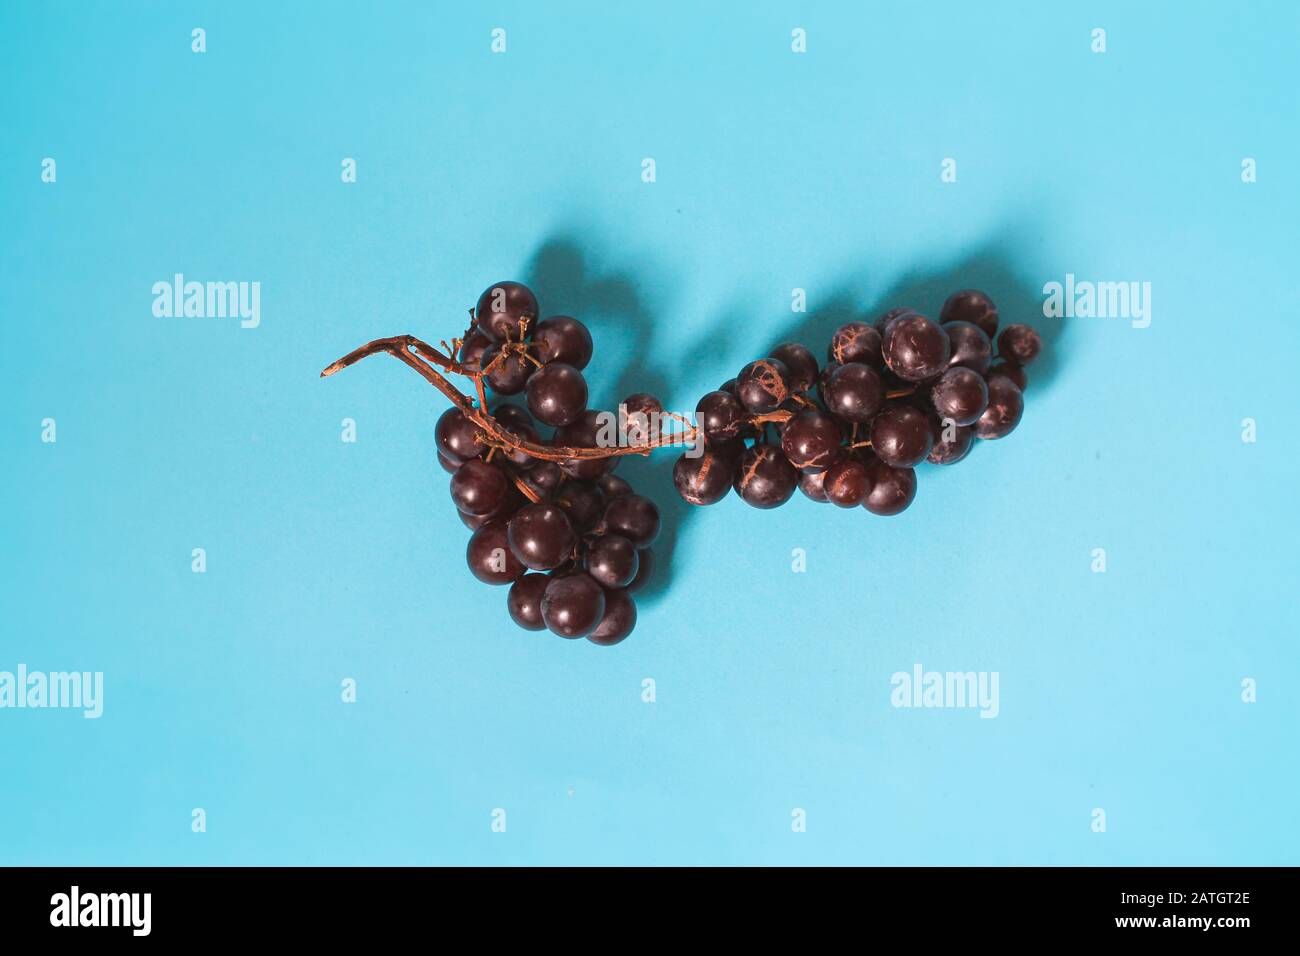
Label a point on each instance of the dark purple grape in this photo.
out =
(611, 486)
(612, 561)
(971, 305)
(448, 465)
(562, 338)
(952, 442)
(764, 477)
(583, 503)
(728, 386)
(518, 456)
(900, 436)
(644, 571)
(1019, 344)
(524, 602)
(811, 441)
(889, 490)
(813, 484)
(556, 394)
(882, 322)
(1006, 405)
(845, 482)
(512, 416)
(510, 375)
(763, 385)
(915, 348)
(720, 416)
(591, 429)
(635, 518)
(971, 348)
(855, 342)
(618, 621)
(573, 605)
(801, 364)
(472, 349)
(1012, 371)
(540, 536)
(489, 556)
(457, 437)
(703, 479)
(854, 393)
(960, 394)
(479, 488)
(543, 476)
(641, 417)
(505, 311)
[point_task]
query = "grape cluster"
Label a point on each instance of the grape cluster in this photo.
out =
(892, 393)
(570, 539)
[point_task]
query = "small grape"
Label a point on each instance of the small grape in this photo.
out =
(612, 561)
(618, 620)
(720, 416)
(524, 602)
(510, 375)
(505, 310)
(611, 486)
(855, 342)
(882, 323)
(591, 429)
(642, 422)
(763, 385)
(811, 441)
(472, 349)
(1006, 405)
(556, 394)
(845, 483)
(635, 518)
(645, 569)
(971, 348)
(916, 348)
(1012, 371)
(583, 503)
(971, 305)
(801, 364)
(952, 442)
(703, 479)
(764, 477)
(573, 605)
(1019, 344)
(479, 488)
(540, 536)
(900, 436)
(562, 338)
(854, 392)
(961, 395)
(890, 490)
(457, 437)
(813, 484)
(489, 556)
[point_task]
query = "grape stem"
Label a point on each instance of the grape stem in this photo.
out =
(428, 361)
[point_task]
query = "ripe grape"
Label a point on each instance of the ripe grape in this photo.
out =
(764, 477)
(882, 323)
(960, 394)
(543, 476)
(720, 416)
(646, 559)
(705, 478)
(971, 305)
(618, 620)
(611, 486)
(562, 338)
(889, 490)
(524, 602)
(505, 310)
(541, 536)
(612, 561)
(489, 556)
(1019, 344)
(971, 348)
(583, 503)
(1006, 405)
(801, 364)
(813, 484)
(952, 442)
(900, 436)
(642, 413)
(457, 437)
(472, 349)
(635, 518)
(478, 488)
(447, 464)
(508, 376)
(854, 392)
(763, 385)
(855, 342)
(556, 394)
(573, 605)
(811, 441)
(915, 348)
(845, 483)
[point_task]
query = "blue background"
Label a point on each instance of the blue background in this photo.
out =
(775, 170)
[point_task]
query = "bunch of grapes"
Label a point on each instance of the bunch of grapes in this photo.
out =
(893, 393)
(570, 539)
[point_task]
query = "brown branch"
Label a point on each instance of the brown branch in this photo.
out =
(406, 348)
